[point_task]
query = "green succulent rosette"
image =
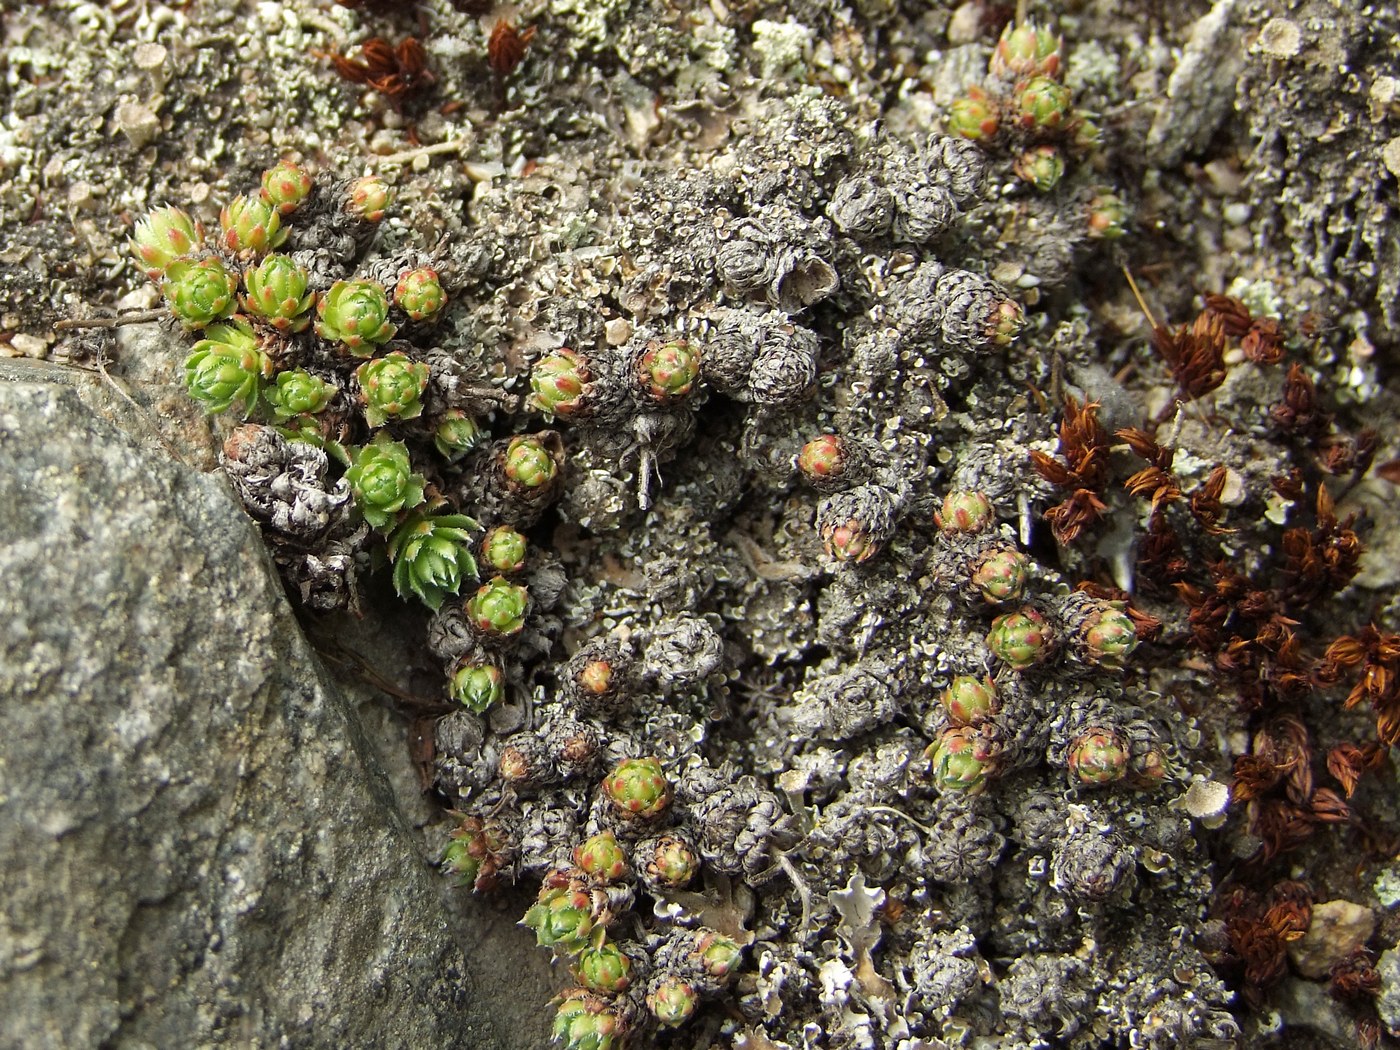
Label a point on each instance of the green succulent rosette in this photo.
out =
(1043, 104)
(432, 555)
(1098, 756)
(638, 787)
(227, 367)
(392, 387)
(356, 315)
(1021, 639)
(668, 371)
(477, 686)
(718, 955)
(285, 185)
(419, 293)
(527, 462)
(369, 198)
(962, 761)
(277, 293)
(1110, 638)
(251, 226)
(504, 549)
(457, 434)
(974, 116)
(498, 608)
(557, 381)
(602, 857)
(1026, 50)
(562, 918)
(200, 292)
(1108, 216)
(382, 481)
(603, 967)
(586, 1021)
(672, 1001)
(162, 237)
(297, 393)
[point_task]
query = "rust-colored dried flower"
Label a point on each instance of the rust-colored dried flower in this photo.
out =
(1356, 977)
(507, 46)
(1298, 411)
(398, 72)
(1319, 562)
(1290, 485)
(1235, 317)
(1206, 507)
(1347, 762)
(1378, 657)
(1195, 353)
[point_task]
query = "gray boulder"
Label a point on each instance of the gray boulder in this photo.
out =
(199, 845)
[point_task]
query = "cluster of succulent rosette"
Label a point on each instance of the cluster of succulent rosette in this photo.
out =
(335, 362)
(981, 564)
(1024, 109)
(624, 987)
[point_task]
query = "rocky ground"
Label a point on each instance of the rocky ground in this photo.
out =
(1150, 316)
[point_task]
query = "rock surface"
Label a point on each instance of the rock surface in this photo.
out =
(1338, 928)
(201, 847)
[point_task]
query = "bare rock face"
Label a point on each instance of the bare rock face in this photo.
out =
(200, 848)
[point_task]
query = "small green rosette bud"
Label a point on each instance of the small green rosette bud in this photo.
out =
(638, 788)
(528, 463)
(672, 1001)
(369, 198)
(673, 862)
(456, 434)
(477, 686)
(475, 853)
(965, 510)
(298, 393)
(601, 857)
(849, 541)
(1004, 322)
(285, 185)
(962, 760)
(503, 549)
(1042, 104)
(498, 608)
(718, 955)
(1041, 166)
(823, 458)
(1021, 639)
(432, 555)
(603, 967)
(162, 237)
(1026, 50)
(250, 226)
(557, 381)
(392, 387)
(1098, 756)
(200, 292)
(1109, 638)
(1108, 217)
(277, 293)
(562, 918)
(382, 481)
(667, 371)
(969, 700)
(586, 1021)
(1001, 576)
(974, 116)
(227, 367)
(419, 294)
(356, 315)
